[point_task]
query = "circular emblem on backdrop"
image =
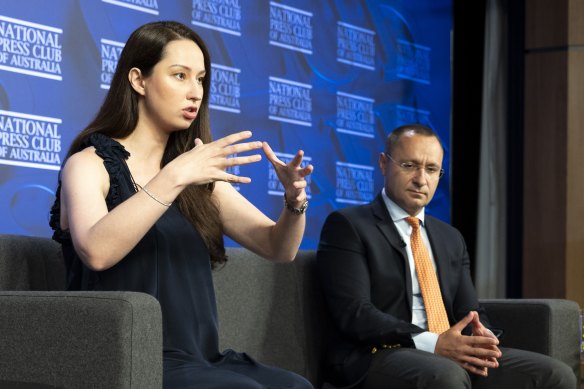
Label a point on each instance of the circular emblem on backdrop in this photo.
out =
(30, 205)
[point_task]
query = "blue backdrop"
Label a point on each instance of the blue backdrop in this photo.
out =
(331, 77)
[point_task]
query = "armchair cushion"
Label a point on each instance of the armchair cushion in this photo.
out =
(81, 339)
(546, 326)
(56, 339)
(274, 312)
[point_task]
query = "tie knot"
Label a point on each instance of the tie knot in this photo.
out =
(413, 221)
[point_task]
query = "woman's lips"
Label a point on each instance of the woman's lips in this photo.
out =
(190, 113)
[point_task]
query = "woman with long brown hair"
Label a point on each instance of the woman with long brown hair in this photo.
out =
(144, 200)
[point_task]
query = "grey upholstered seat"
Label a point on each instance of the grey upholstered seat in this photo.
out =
(274, 312)
(55, 339)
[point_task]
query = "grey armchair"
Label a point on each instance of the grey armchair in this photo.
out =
(274, 312)
(546, 326)
(55, 339)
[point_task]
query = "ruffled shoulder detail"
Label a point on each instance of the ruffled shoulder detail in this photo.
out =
(114, 156)
(106, 147)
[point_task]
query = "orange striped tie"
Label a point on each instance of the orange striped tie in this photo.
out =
(435, 311)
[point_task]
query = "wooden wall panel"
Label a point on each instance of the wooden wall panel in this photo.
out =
(546, 23)
(575, 179)
(553, 241)
(576, 23)
(544, 183)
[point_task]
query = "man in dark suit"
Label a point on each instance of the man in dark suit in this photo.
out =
(369, 274)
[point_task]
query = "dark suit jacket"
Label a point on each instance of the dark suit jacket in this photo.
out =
(365, 275)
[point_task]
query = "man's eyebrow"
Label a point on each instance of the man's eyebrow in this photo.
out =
(417, 161)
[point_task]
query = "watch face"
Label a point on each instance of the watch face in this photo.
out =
(302, 208)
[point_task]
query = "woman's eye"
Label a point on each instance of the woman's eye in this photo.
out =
(180, 76)
(200, 80)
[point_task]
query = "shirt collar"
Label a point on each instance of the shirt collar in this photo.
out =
(396, 212)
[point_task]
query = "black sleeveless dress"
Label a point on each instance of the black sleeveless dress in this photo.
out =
(172, 264)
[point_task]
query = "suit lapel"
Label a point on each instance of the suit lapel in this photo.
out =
(440, 257)
(389, 231)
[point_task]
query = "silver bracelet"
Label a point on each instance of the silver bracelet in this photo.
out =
(167, 205)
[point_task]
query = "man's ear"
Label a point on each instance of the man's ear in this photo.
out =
(382, 164)
(136, 80)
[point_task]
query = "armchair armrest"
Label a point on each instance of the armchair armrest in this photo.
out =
(80, 340)
(546, 326)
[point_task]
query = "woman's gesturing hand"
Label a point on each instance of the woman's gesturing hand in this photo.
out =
(207, 163)
(291, 175)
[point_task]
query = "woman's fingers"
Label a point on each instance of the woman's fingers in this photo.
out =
(221, 149)
(272, 157)
(240, 148)
(297, 160)
(235, 161)
(233, 138)
(306, 171)
(231, 178)
(229, 145)
(299, 184)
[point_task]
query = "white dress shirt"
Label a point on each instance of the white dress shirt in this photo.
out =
(426, 340)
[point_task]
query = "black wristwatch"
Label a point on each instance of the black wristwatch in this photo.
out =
(296, 211)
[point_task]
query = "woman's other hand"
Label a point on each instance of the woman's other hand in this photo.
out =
(291, 175)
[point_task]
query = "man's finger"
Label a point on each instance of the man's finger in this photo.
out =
(482, 341)
(465, 321)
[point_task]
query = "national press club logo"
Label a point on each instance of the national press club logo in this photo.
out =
(290, 28)
(30, 140)
(413, 62)
(219, 15)
(110, 54)
(30, 48)
(225, 88)
(354, 183)
(355, 115)
(146, 6)
(401, 114)
(290, 101)
(355, 46)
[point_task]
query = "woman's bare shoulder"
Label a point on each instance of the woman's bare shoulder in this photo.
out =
(84, 165)
(84, 158)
